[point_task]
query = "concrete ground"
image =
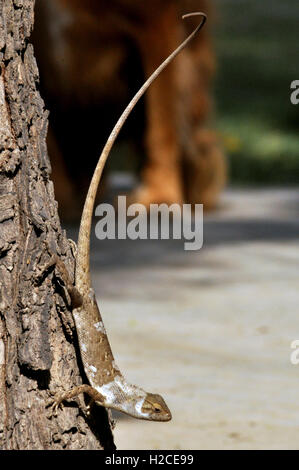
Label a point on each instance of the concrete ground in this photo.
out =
(210, 330)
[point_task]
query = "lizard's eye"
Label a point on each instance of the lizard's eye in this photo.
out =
(157, 408)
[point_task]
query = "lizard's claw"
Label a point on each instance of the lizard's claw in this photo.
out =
(55, 403)
(89, 406)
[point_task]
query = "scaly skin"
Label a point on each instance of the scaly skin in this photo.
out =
(107, 386)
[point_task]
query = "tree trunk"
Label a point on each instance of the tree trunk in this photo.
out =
(38, 349)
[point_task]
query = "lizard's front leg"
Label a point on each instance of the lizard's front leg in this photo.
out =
(57, 400)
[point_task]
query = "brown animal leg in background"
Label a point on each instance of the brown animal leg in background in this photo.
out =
(206, 176)
(161, 177)
(204, 165)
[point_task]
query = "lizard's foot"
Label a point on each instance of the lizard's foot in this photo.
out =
(56, 401)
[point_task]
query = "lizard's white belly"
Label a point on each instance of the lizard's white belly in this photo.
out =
(121, 395)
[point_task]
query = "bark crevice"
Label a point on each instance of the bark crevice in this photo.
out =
(38, 349)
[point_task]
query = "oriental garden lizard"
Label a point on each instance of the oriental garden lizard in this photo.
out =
(107, 386)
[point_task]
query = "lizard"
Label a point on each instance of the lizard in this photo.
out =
(107, 386)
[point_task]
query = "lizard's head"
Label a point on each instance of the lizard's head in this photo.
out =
(155, 408)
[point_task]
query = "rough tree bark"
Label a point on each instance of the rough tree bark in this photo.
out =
(38, 350)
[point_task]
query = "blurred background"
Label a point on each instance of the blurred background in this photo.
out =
(257, 61)
(209, 330)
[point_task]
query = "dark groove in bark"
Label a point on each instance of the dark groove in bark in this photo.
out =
(38, 350)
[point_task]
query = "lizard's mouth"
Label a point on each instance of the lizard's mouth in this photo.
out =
(167, 417)
(160, 417)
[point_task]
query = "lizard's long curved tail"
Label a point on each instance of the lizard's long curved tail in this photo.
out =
(83, 262)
